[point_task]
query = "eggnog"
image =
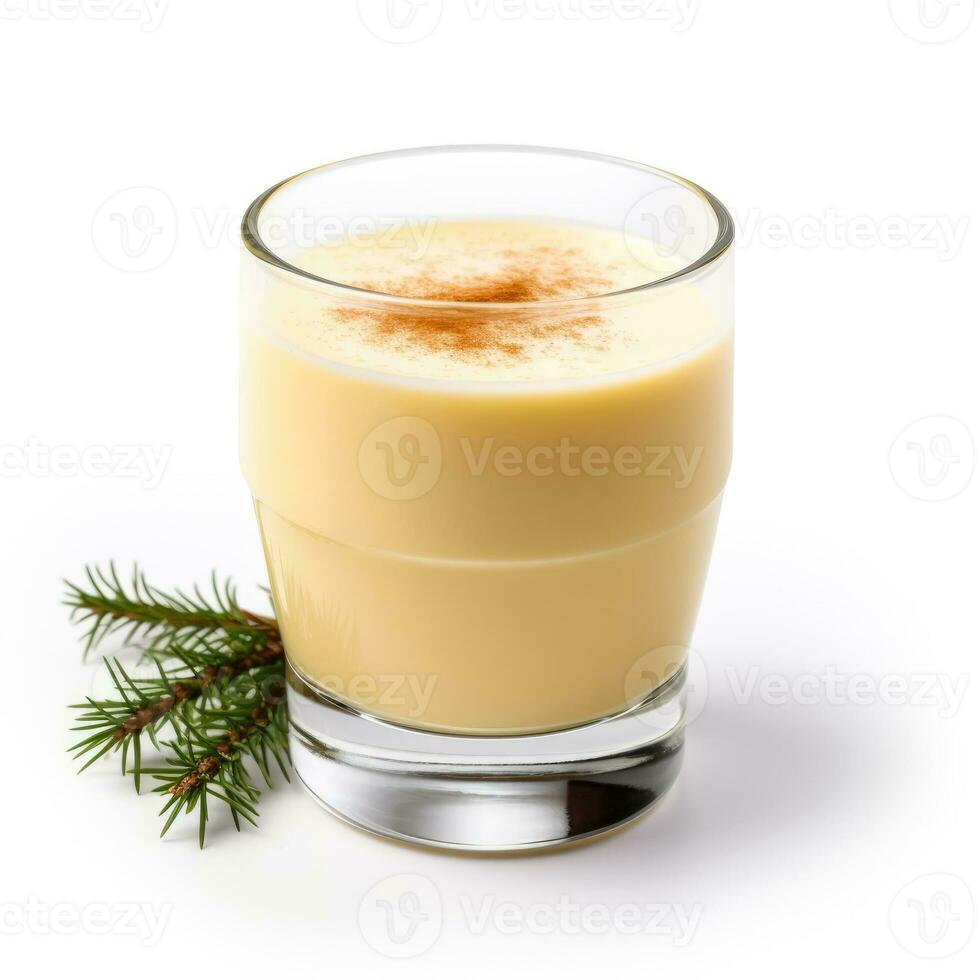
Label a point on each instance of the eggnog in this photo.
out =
(487, 459)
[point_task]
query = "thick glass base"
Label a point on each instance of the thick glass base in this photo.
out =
(486, 793)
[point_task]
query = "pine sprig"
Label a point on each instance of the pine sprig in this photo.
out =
(215, 705)
(208, 759)
(143, 706)
(186, 674)
(142, 612)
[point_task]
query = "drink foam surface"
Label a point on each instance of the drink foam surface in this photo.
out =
(543, 280)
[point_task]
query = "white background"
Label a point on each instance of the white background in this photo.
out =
(843, 137)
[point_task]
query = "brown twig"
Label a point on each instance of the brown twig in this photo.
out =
(170, 617)
(208, 766)
(193, 687)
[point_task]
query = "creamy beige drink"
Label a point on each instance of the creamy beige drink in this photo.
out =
(484, 505)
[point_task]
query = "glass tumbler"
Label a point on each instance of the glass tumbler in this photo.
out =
(486, 585)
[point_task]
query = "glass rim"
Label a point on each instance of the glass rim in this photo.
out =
(723, 240)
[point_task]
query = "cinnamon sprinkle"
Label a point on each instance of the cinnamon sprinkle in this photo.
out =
(532, 275)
